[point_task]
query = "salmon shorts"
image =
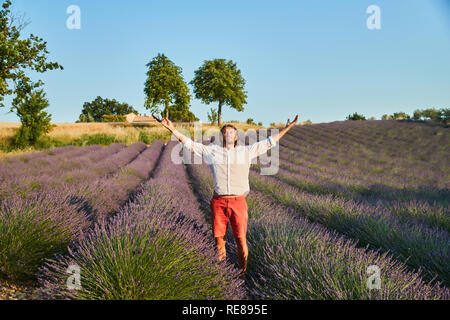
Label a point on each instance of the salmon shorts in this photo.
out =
(234, 209)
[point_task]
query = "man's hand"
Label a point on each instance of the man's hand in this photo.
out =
(293, 123)
(166, 123)
(289, 125)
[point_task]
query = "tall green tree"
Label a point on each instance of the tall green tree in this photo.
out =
(165, 85)
(17, 56)
(29, 104)
(95, 110)
(220, 81)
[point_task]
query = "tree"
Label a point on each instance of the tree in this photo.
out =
(417, 114)
(396, 116)
(180, 113)
(445, 115)
(165, 85)
(90, 118)
(432, 114)
(19, 55)
(82, 118)
(29, 104)
(355, 116)
(212, 115)
(400, 116)
(250, 121)
(220, 81)
(95, 111)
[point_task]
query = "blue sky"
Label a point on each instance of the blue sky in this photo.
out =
(313, 58)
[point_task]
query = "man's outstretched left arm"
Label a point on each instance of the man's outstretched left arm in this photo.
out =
(288, 127)
(261, 147)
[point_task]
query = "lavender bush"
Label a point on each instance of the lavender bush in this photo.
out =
(290, 258)
(418, 245)
(45, 221)
(155, 248)
(33, 229)
(114, 157)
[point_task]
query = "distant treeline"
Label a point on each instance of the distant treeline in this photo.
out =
(430, 114)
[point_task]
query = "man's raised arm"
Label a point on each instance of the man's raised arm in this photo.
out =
(288, 127)
(166, 123)
(198, 148)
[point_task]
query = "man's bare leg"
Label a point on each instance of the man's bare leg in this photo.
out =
(242, 249)
(221, 250)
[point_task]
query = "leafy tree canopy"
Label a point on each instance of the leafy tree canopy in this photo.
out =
(165, 86)
(29, 104)
(18, 55)
(355, 116)
(95, 111)
(220, 81)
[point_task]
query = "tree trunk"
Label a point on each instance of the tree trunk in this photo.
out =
(219, 114)
(167, 110)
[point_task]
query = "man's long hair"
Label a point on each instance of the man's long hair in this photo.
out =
(222, 130)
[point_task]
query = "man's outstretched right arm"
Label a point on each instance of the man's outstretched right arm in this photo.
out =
(198, 148)
(181, 137)
(166, 123)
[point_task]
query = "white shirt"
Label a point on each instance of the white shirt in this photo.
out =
(230, 167)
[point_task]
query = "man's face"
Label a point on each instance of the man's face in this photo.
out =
(229, 136)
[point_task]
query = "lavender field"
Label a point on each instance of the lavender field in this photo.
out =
(348, 195)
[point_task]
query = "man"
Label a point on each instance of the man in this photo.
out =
(230, 166)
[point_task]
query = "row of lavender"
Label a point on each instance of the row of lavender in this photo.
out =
(410, 209)
(412, 224)
(37, 175)
(292, 258)
(35, 163)
(367, 151)
(422, 247)
(36, 223)
(414, 183)
(156, 247)
(429, 148)
(361, 185)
